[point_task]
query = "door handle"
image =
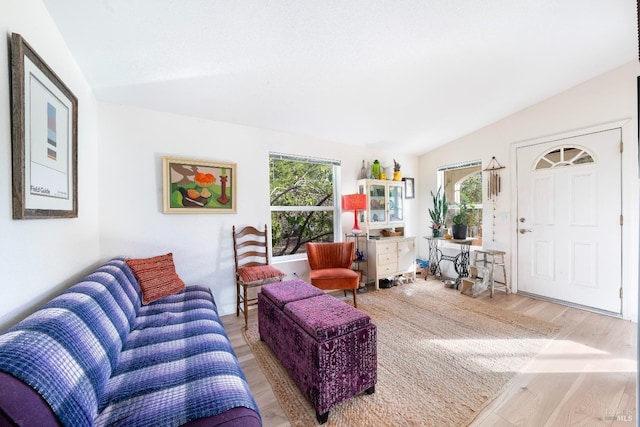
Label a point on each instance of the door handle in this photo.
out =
(524, 230)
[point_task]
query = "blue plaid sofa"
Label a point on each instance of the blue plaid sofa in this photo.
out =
(95, 356)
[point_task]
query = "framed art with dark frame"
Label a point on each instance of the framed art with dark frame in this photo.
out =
(198, 186)
(44, 137)
(409, 189)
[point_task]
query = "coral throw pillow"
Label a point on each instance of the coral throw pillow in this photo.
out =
(157, 276)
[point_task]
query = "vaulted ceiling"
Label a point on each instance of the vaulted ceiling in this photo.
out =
(412, 74)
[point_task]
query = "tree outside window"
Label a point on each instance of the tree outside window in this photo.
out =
(303, 207)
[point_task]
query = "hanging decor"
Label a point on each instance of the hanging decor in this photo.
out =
(494, 186)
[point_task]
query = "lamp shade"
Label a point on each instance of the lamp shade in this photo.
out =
(354, 202)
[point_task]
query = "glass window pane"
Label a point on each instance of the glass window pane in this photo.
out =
(543, 164)
(292, 229)
(396, 211)
(298, 183)
(377, 210)
(583, 159)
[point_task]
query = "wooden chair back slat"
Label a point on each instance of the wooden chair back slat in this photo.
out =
(250, 246)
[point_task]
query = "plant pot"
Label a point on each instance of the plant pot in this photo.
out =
(459, 231)
(435, 233)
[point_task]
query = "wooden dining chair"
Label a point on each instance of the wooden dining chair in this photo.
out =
(251, 254)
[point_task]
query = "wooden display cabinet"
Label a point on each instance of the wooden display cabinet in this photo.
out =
(385, 203)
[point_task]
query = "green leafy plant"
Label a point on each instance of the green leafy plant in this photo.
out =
(439, 211)
(462, 216)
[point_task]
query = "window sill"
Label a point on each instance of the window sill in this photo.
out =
(289, 258)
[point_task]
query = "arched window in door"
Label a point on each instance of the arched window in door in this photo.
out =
(569, 155)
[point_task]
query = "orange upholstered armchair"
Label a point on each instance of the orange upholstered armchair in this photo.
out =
(330, 265)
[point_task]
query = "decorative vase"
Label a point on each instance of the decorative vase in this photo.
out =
(435, 233)
(363, 172)
(397, 176)
(375, 169)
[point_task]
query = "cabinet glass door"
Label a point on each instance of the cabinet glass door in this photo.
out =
(396, 208)
(377, 212)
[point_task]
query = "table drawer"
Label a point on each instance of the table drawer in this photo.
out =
(390, 258)
(387, 269)
(387, 248)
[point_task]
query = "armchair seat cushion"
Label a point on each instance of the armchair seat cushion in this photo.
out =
(259, 273)
(334, 278)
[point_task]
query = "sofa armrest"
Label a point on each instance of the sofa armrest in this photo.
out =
(22, 405)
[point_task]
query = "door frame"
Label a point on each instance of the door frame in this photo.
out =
(513, 240)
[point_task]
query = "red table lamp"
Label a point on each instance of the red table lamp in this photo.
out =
(355, 203)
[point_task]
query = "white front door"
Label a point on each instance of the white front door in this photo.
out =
(569, 206)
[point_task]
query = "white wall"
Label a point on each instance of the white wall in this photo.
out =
(607, 98)
(119, 186)
(132, 143)
(39, 257)
(123, 171)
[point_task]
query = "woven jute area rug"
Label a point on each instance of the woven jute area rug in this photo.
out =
(442, 357)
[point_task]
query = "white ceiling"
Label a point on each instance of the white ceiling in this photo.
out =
(411, 74)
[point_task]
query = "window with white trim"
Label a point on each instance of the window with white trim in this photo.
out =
(462, 183)
(303, 203)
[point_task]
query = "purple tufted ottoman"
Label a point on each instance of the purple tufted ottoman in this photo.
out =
(328, 347)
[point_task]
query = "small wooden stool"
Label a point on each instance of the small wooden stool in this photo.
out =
(492, 258)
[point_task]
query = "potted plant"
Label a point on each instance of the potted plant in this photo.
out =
(397, 175)
(439, 212)
(460, 221)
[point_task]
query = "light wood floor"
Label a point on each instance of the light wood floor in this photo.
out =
(585, 377)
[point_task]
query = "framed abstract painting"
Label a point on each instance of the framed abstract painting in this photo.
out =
(198, 186)
(44, 136)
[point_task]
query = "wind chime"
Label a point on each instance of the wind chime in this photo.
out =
(494, 187)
